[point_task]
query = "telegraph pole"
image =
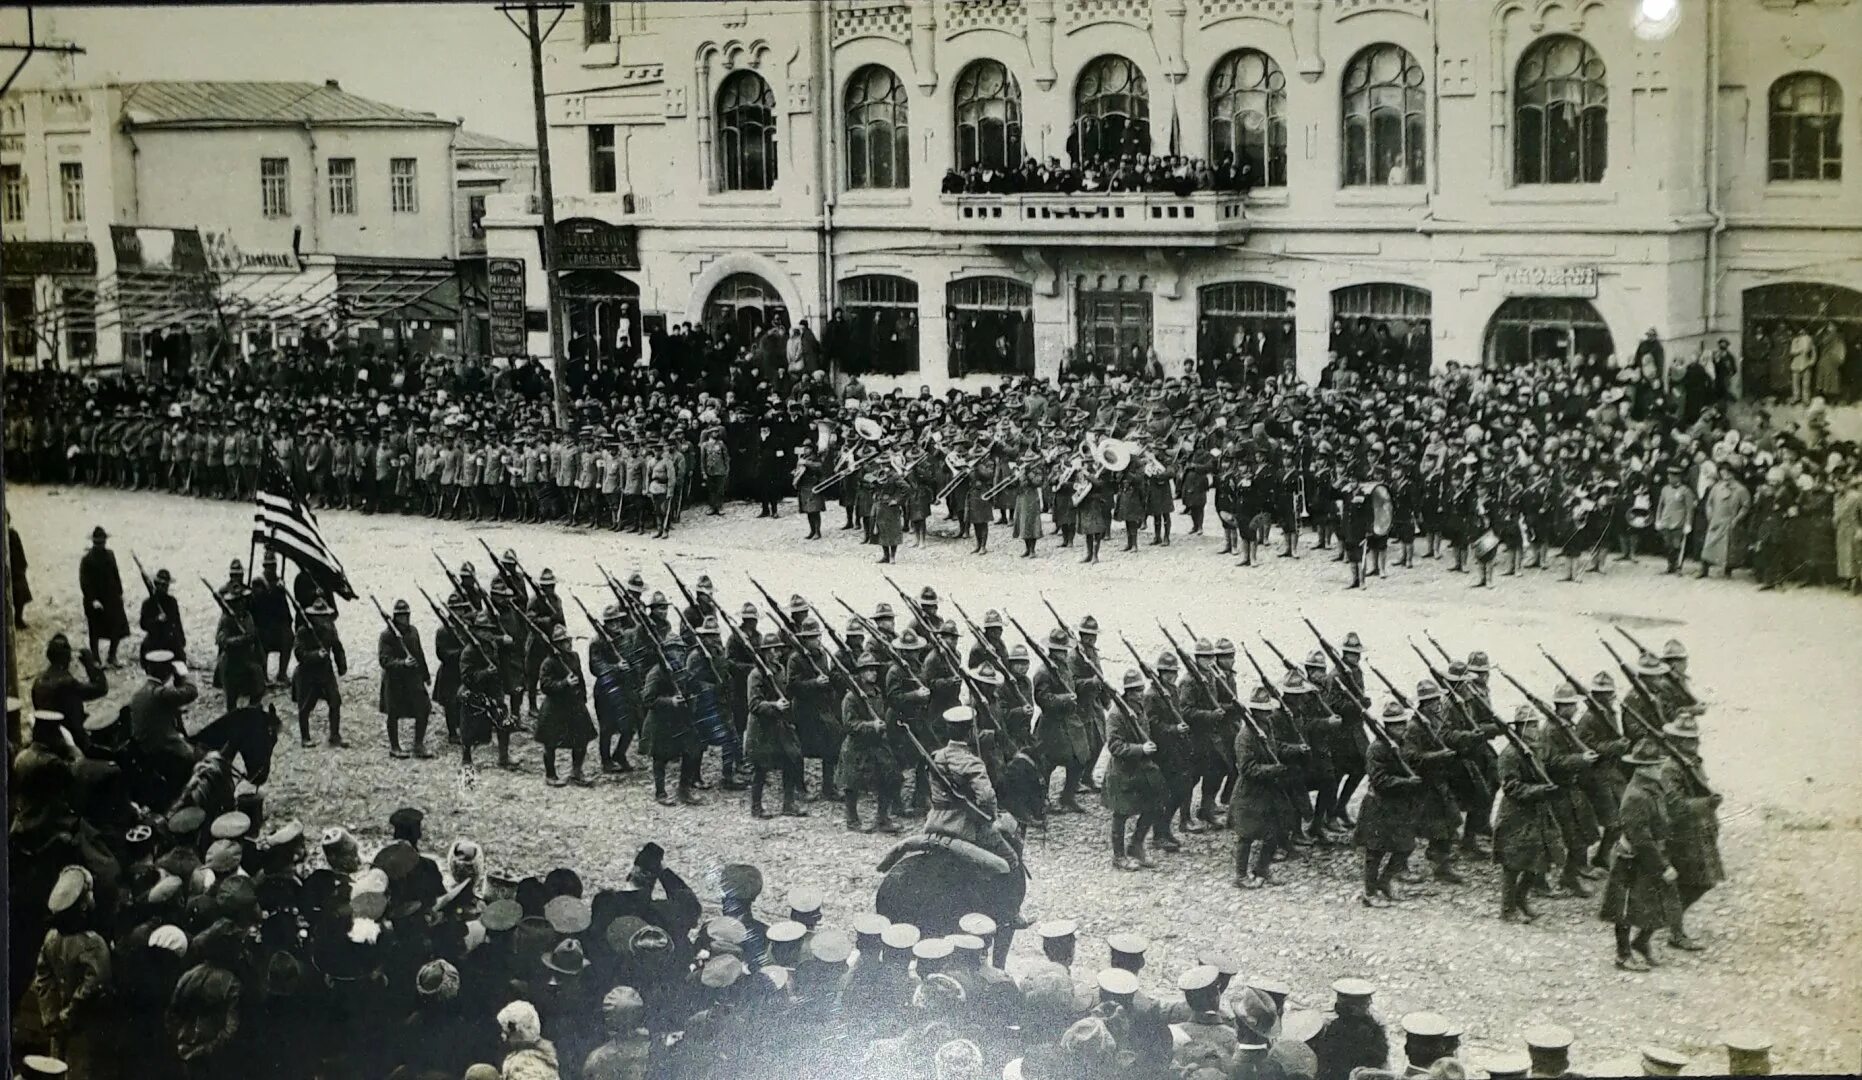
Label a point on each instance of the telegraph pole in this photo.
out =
(535, 37)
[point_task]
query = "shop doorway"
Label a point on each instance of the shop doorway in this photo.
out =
(1529, 328)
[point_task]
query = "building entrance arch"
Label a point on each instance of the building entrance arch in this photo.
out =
(1528, 328)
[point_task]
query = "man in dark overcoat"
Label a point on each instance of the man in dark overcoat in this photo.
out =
(102, 589)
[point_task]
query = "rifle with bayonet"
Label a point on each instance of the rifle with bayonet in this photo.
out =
(148, 583)
(1646, 651)
(988, 646)
(1177, 722)
(1457, 699)
(1546, 711)
(467, 639)
(1590, 697)
(1651, 730)
(1280, 699)
(950, 657)
(406, 653)
(1421, 721)
(1339, 665)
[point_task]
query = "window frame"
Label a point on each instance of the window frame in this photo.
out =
(1135, 89)
(1550, 95)
(604, 171)
(989, 294)
(404, 185)
(13, 192)
(597, 17)
(275, 187)
(1410, 119)
(886, 115)
(731, 129)
(347, 186)
(71, 191)
(1829, 166)
(1273, 115)
(965, 96)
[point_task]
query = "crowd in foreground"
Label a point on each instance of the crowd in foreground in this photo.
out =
(1576, 462)
(202, 946)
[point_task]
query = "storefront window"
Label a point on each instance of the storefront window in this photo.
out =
(1530, 328)
(1810, 320)
(1244, 331)
(1381, 330)
(745, 305)
(990, 325)
(883, 313)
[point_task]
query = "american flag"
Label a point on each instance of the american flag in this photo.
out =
(285, 525)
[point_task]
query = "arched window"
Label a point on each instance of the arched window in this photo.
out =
(746, 134)
(989, 117)
(878, 142)
(882, 311)
(1244, 329)
(1111, 112)
(745, 305)
(1386, 118)
(1806, 128)
(1561, 114)
(1248, 115)
(989, 323)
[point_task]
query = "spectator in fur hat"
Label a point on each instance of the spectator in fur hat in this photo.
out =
(527, 1054)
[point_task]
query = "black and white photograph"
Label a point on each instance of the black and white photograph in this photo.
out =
(932, 539)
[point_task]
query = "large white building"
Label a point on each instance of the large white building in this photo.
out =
(1488, 178)
(137, 215)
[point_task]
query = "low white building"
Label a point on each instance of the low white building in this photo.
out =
(1484, 179)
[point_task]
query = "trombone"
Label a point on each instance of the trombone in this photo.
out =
(859, 462)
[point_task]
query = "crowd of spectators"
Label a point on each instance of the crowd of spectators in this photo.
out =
(1175, 174)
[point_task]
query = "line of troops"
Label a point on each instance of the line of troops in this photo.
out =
(1187, 747)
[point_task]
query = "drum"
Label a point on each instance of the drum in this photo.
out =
(1487, 546)
(1382, 511)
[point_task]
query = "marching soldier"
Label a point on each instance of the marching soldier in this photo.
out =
(1318, 729)
(1135, 785)
(1387, 821)
(812, 716)
(1527, 841)
(866, 761)
(160, 618)
(907, 698)
(1258, 809)
(1639, 897)
(511, 645)
(240, 669)
(1437, 814)
(616, 691)
(1569, 766)
(1064, 742)
(271, 616)
(1601, 728)
(484, 704)
(404, 678)
(1694, 838)
(563, 720)
(448, 646)
(546, 612)
(670, 733)
(320, 660)
(770, 742)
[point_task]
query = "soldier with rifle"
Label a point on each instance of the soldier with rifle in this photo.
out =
(866, 762)
(1344, 742)
(1567, 763)
(1693, 819)
(1348, 682)
(545, 611)
(1291, 748)
(160, 618)
(1063, 731)
(769, 742)
(404, 678)
(1171, 732)
(1205, 708)
(563, 720)
(484, 713)
(1259, 811)
(271, 616)
(670, 732)
(1600, 730)
(908, 699)
(240, 669)
(448, 645)
(615, 703)
(320, 661)
(1135, 786)
(813, 715)
(1440, 764)
(1386, 826)
(1527, 841)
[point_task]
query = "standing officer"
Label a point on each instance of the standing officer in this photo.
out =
(102, 588)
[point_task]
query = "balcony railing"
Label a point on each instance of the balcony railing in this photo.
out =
(1132, 218)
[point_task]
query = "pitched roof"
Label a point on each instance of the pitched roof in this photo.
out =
(258, 104)
(475, 140)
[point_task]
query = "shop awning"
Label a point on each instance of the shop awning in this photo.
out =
(397, 289)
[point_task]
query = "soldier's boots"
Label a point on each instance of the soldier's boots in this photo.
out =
(757, 809)
(885, 824)
(1445, 872)
(851, 804)
(790, 808)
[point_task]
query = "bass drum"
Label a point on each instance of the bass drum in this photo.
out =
(1382, 512)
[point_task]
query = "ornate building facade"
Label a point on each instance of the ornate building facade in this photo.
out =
(1485, 180)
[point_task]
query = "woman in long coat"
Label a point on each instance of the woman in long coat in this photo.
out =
(1527, 841)
(1640, 896)
(1725, 506)
(1027, 505)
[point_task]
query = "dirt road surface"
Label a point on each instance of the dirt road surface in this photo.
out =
(1782, 671)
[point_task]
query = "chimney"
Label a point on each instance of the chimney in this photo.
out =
(332, 84)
